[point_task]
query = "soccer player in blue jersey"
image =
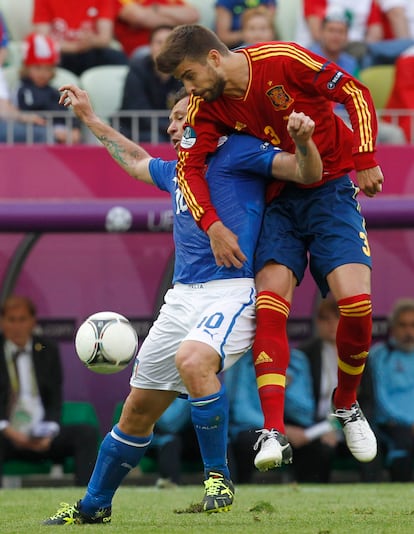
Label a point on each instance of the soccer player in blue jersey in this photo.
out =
(208, 318)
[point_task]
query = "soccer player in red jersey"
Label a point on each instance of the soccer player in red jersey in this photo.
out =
(253, 90)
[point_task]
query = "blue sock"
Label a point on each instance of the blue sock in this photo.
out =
(210, 416)
(118, 454)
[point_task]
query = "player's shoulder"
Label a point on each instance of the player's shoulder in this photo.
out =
(162, 172)
(280, 51)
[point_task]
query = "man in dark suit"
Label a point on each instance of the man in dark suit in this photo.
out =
(31, 397)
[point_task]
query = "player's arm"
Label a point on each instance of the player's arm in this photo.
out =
(339, 86)
(130, 156)
(305, 166)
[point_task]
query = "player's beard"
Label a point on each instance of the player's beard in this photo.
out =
(216, 89)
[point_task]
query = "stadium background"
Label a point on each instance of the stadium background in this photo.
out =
(72, 275)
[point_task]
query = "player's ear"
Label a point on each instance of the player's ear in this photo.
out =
(214, 57)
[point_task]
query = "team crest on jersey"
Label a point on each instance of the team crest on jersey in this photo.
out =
(279, 97)
(189, 138)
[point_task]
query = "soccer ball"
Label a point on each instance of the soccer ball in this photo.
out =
(106, 342)
(118, 219)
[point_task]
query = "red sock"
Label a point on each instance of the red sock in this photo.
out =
(271, 356)
(353, 339)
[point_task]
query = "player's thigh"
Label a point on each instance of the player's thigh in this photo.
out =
(227, 320)
(281, 242)
(199, 358)
(155, 363)
(349, 280)
(278, 279)
(340, 236)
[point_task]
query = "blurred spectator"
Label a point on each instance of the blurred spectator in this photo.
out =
(228, 18)
(333, 45)
(147, 89)
(378, 29)
(31, 397)
(4, 41)
(257, 25)
(363, 15)
(390, 371)
(394, 35)
(312, 378)
(402, 95)
(15, 125)
(333, 42)
(136, 19)
(35, 93)
(83, 29)
(396, 15)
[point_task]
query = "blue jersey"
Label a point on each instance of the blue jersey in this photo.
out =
(237, 175)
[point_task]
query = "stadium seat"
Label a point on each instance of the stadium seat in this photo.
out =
(77, 413)
(105, 85)
(64, 76)
(18, 17)
(11, 75)
(288, 13)
(14, 53)
(206, 10)
(379, 79)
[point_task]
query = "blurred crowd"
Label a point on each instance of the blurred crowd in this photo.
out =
(319, 450)
(108, 47)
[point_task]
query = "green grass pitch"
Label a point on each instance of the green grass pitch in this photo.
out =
(269, 508)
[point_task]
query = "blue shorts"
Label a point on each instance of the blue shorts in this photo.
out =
(323, 223)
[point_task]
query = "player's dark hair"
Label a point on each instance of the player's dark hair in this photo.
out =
(188, 41)
(179, 95)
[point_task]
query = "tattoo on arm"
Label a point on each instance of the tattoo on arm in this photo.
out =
(116, 151)
(303, 150)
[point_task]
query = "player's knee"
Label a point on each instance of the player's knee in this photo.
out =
(195, 364)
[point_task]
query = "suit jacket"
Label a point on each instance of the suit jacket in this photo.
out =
(313, 351)
(48, 374)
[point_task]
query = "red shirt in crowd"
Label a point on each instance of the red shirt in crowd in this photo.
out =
(67, 18)
(131, 37)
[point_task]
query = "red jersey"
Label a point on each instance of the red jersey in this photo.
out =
(67, 18)
(131, 37)
(283, 77)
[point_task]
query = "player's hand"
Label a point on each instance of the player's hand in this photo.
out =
(370, 181)
(225, 247)
(300, 127)
(72, 95)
